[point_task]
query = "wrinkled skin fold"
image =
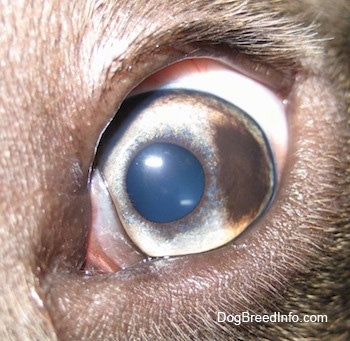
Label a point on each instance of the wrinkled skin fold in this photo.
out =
(65, 69)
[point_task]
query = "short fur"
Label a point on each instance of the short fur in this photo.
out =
(65, 68)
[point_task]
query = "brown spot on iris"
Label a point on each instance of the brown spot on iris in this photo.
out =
(246, 175)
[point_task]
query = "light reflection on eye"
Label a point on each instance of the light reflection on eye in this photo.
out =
(154, 162)
(186, 168)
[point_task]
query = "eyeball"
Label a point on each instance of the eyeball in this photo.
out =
(187, 171)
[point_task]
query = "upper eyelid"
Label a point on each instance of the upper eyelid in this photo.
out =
(275, 39)
(280, 82)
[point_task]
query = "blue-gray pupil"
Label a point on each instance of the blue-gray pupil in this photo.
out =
(165, 182)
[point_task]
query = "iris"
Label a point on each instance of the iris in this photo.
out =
(187, 171)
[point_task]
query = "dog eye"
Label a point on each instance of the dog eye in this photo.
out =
(192, 159)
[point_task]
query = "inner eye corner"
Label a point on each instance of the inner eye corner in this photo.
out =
(164, 231)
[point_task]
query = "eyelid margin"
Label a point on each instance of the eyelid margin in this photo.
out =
(280, 80)
(106, 233)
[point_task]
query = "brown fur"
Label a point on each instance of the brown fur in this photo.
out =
(65, 68)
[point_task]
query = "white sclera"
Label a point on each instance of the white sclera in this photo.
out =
(256, 99)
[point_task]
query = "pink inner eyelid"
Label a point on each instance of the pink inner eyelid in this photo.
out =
(176, 71)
